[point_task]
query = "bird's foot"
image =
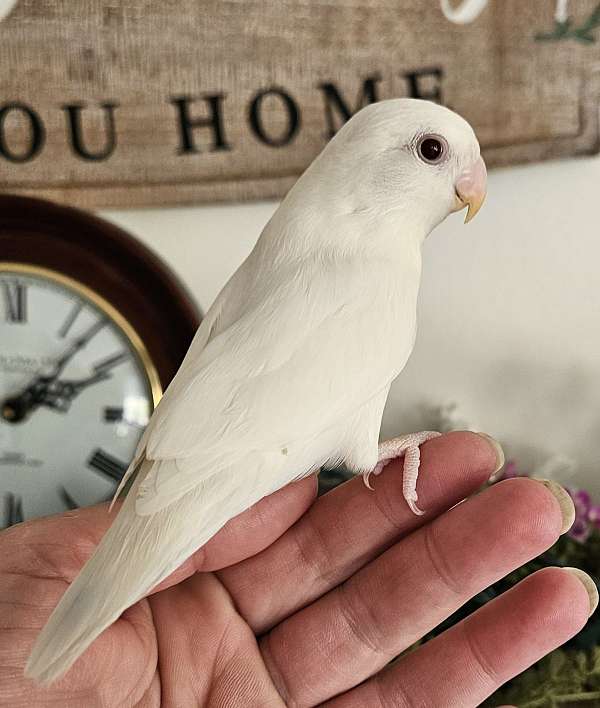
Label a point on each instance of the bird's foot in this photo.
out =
(406, 446)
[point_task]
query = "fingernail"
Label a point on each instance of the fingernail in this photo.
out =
(498, 451)
(588, 584)
(567, 508)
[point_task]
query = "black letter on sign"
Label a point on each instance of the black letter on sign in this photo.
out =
(187, 123)
(254, 116)
(435, 76)
(74, 114)
(333, 99)
(36, 127)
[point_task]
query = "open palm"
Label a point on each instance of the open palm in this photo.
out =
(300, 602)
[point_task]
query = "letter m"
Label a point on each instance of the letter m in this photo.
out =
(337, 110)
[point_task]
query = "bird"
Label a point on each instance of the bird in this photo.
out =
(291, 367)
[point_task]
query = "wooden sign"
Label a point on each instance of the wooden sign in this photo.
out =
(149, 102)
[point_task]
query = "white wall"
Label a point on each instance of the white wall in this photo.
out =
(509, 309)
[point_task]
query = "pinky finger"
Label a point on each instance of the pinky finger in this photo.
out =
(468, 662)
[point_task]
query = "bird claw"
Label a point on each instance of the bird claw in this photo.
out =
(368, 485)
(376, 470)
(407, 447)
(412, 505)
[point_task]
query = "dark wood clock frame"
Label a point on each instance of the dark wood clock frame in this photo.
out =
(111, 262)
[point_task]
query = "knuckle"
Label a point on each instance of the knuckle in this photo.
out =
(313, 551)
(439, 565)
(362, 623)
(394, 698)
(392, 505)
(481, 662)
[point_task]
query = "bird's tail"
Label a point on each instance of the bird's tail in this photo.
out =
(135, 554)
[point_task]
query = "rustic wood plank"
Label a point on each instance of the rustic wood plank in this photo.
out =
(96, 93)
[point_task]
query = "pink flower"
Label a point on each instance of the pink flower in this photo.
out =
(580, 530)
(510, 470)
(582, 501)
(594, 515)
(586, 514)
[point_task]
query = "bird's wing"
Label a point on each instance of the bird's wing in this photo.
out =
(304, 356)
(211, 324)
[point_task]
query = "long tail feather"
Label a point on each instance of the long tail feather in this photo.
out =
(135, 554)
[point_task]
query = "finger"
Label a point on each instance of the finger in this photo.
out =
(56, 547)
(250, 532)
(351, 525)
(467, 663)
(357, 628)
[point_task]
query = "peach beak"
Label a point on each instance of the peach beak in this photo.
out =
(471, 187)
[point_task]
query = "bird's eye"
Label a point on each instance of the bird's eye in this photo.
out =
(432, 148)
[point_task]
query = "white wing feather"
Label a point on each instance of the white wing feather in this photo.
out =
(208, 327)
(250, 389)
(271, 396)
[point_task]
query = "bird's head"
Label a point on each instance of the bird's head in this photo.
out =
(410, 156)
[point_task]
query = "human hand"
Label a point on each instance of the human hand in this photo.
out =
(300, 602)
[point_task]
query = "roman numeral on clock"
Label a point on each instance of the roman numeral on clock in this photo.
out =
(67, 499)
(71, 317)
(113, 414)
(107, 465)
(15, 302)
(90, 333)
(13, 509)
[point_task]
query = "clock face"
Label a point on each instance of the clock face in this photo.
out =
(77, 389)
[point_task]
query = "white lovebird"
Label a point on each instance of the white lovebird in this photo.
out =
(291, 367)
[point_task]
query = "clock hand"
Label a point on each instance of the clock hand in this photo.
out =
(60, 394)
(16, 408)
(78, 344)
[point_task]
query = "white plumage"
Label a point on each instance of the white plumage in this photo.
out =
(291, 367)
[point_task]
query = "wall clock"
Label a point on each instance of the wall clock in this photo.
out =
(92, 329)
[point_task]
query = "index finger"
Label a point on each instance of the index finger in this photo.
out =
(350, 526)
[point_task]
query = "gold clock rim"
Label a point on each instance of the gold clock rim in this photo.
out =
(104, 306)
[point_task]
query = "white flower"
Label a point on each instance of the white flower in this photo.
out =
(463, 13)
(5, 7)
(562, 11)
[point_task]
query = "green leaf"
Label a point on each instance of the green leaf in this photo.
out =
(561, 31)
(584, 36)
(593, 20)
(564, 678)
